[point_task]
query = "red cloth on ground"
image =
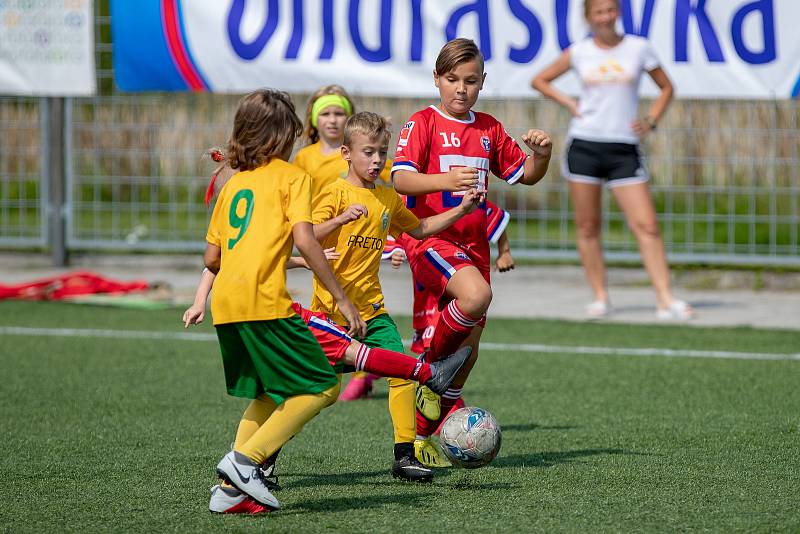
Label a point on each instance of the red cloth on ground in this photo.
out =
(69, 285)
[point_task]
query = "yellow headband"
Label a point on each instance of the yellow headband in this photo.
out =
(327, 101)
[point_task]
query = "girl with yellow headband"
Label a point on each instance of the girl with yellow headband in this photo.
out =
(327, 111)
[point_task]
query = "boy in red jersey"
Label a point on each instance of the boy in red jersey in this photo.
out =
(442, 151)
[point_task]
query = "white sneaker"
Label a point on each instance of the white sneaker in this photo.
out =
(678, 310)
(246, 475)
(229, 500)
(598, 309)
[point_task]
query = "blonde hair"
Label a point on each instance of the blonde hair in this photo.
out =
(265, 127)
(587, 5)
(310, 132)
(369, 124)
(456, 52)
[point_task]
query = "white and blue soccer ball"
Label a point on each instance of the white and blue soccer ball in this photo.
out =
(470, 437)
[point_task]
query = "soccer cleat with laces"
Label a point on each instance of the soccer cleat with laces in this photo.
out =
(429, 455)
(444, 372)
(408, 468)
(428, 403)
(229, 500)
(246, 475)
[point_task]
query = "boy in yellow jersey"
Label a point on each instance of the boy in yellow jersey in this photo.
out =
(355, 217)
(326, 113)
(268, 353)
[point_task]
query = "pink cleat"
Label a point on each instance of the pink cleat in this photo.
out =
(359, 387)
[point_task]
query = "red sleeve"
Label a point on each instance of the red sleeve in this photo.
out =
(508, 159)
(497, 220)
(389, 248)
(413, 144)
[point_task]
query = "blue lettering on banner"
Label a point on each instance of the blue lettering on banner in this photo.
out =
(252, 49)
(528, 18)
(327, 30)
(768, 53)
(481, 10)
(627, 18)
(415, 52)
(293, 49)
(684, 9)
(383, 51)
(562, 15)
(687, 13)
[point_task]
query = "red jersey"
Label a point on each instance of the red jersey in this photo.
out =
(432, 143)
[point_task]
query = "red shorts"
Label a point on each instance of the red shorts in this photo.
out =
(333, 339)
(437, 262)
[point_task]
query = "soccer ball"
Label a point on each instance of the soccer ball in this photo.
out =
(470, 437)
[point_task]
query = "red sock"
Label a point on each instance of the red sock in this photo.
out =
(459, 404)
(392, 364)
(450, 397)
(453, 328)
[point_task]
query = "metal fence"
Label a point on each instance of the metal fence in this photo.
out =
(726, 174)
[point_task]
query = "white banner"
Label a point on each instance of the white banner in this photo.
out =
(710, 48)
(47, 47)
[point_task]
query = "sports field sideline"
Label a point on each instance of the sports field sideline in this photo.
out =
(112, 418)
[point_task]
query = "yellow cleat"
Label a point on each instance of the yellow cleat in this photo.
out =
(429, 403)
(429, 455)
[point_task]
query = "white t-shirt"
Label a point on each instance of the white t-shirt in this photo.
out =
(609, 87)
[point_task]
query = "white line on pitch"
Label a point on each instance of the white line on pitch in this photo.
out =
(486, 345)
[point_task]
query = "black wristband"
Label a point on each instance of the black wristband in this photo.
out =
(651, 122)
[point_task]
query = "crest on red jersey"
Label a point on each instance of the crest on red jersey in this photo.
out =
(405, 133)
(485, 143)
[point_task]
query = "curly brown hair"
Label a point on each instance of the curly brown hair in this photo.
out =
(310, 133)
(265, 127)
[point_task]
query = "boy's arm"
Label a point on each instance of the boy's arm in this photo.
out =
(536, 167)
(437, 223)
(197, 311)
(298, 262)
(415, 183)
(325, 228)
(504, 261)
(311, 250)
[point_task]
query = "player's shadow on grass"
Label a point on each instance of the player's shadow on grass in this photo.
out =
(549, 459)
(525, 427)
(336, 479)
(338, 504)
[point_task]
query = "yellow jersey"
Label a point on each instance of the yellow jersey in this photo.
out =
(326, 169)
(252, 224)
(360, 244)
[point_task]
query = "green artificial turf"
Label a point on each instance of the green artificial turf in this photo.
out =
(115, 434)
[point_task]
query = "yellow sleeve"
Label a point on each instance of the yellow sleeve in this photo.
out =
(298, 206)
(386, 173)
(300, 159)
(214, 233)
(325, 206)
(402, 218)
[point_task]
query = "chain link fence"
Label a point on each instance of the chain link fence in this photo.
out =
(726, 174)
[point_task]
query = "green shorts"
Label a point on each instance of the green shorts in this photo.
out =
(279, 357)
(382, 333)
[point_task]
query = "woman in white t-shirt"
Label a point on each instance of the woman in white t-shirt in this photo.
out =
(603, 147)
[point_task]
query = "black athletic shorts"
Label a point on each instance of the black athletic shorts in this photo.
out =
(595, 162)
